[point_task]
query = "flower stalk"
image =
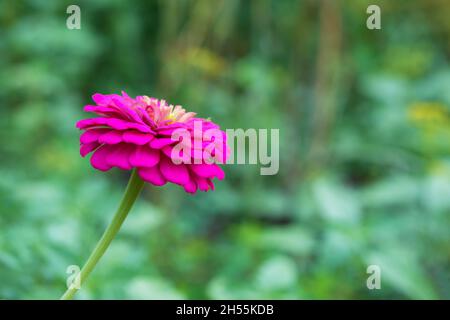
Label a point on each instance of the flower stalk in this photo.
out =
(134, 187)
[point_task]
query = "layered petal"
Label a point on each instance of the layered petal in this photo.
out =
(98, 158)
(190, 186)
(111, 137)
(159, 143)
(152, 175)
(176, 173)
(207, 170)
(85, 149)
(137, 137)
(119, 154)
(144, 156)
(140, 132)
(92, 135)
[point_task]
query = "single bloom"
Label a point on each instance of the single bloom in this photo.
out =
(138, 133)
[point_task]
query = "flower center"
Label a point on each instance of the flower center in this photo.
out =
(161, 112)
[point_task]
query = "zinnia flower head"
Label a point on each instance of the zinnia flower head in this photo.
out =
(139, 133)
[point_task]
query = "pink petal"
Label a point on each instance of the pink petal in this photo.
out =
(119, 155)
(98, 159)
(190, 187)
(93, 122)
(178, 174)
(178, 157)
(161, 142)
(168, 131)
(172, 126)
(88, 147)
(202, 183)
(117, 124)
(114, 123)
(100, 99)
(207, 170)
(128, 112)
(211, 184)
(146, 118)
(137, 137)
(109, 111)
(111, 137)
(92, 135)
(152, 175)
(167, 151)
(102, 110)
(144, 156)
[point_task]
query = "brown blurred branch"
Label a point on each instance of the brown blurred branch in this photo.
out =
(327, 79)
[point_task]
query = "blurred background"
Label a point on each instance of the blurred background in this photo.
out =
(364, 119)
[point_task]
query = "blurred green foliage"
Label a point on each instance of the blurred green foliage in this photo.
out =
(364, 119)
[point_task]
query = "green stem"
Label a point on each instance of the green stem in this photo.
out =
(134, 187)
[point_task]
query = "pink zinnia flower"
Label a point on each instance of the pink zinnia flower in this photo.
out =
(138, 133)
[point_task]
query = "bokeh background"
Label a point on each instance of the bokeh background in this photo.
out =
(364, 119)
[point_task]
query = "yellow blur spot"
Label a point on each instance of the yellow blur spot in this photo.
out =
(428, 113)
